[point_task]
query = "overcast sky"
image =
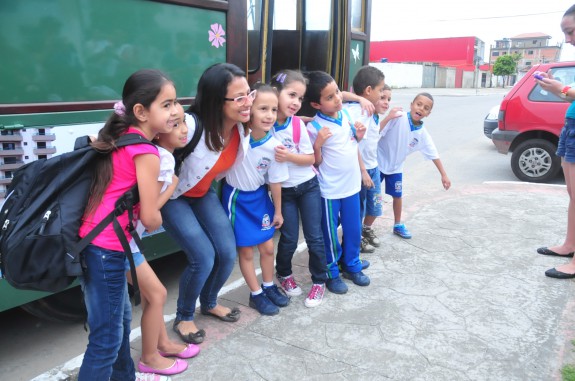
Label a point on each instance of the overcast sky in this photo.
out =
(489, 20)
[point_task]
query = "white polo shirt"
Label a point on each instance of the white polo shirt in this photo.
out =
(258, 166)
(340, 176)
(298, 174)
(398, 139)
(367, 145)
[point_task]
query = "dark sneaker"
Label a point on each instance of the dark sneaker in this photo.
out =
(358, 278)
(365, 247)
(401, 230)
(364, 264)
(336, 285)
(289, 285)
(370, 236)
(276, 296)
(263, 305)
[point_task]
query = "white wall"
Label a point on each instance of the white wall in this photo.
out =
(399, 75)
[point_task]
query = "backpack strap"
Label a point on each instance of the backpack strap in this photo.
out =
(350, 123)
(296, 127)
(181, 153)
(316, 124)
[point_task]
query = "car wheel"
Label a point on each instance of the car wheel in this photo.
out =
(535, 161)
(65, 306)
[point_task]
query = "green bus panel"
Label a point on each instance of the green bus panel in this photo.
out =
(355, 59)
(83, 50)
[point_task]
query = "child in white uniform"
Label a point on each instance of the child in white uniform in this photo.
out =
(246, 201)
(401, 136)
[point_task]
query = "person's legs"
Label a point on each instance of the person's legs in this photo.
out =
(109, 314)
(309, 205)
(329, 224)
(569, 243)
(218, 229)
(266, 250)
(179, 220)
(287, 244)
(373, 208)
(397, 206)
(351, 228)
(246, 261)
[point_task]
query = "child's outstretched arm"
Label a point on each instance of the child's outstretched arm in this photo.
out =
(395, 112)
(283, 154)
(276, 189)
(365, 104)
(444, 179)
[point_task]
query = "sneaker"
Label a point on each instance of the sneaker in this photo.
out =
(289, 285)
(364, 264)
(401, 231)
(276, 296)
(336, 285)
(263, 305)
(365, 247)
(358, 278)
(151, 377)
(315, 296)
(370, 236)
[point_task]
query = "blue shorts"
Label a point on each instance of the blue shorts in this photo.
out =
(370, 198)
(566, 146)
(138, 260)
(393, 184)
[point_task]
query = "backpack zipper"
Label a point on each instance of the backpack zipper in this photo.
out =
(44, 222)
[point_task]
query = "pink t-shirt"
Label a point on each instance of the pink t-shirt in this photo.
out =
(123, 179)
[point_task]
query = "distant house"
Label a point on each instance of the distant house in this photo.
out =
(533, 47)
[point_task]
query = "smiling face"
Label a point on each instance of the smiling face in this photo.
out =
(420, 108)
(264, 111)
(330, 101)
(234, 111)
(178, 137)
(161, 116)
(290, 100)
(568, 28)
(382, 104)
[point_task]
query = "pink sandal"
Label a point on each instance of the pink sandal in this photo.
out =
(191, 350)
(177, 367)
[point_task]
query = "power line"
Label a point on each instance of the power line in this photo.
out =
(504, 17)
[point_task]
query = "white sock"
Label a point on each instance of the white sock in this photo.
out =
(268, 284)
(255, 293)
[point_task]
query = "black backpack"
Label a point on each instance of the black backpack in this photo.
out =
(39, 243)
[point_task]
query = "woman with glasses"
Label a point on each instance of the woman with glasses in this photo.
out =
(194, 216)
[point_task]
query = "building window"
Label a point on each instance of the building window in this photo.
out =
(530, 52)
(25, 143)
(41, 144)
(7, 174)
(42, 156)
(534, 42)
(495, 54)
(527, 63)
(8, 146)
(10, 160)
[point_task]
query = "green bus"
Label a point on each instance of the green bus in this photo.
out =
(64, 62)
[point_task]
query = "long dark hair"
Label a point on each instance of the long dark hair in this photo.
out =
(142, 87)
(209, 103)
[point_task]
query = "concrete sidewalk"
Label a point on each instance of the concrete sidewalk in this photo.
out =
(465, 299)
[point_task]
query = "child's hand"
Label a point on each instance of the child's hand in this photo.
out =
(278, 220)
(359, 130)
(366, 106)
(282, 154)
(322, 135)
(395, 112)
(446, 182)
(366, 180)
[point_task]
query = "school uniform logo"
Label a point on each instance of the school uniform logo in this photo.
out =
(266, 223)
(398, 186)
(289, 144)
(413, 142)
(263, 165)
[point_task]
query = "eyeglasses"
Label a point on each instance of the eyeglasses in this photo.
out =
(241, 100)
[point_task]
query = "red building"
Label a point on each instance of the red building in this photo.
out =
(461, 53)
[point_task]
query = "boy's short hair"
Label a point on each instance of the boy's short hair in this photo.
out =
(427, 95)
(386, 87)
(317, 81)
(367, 76)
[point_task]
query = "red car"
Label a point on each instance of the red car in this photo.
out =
(529, 122)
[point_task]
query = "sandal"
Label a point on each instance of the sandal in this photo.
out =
(190, 337)
(230, 317)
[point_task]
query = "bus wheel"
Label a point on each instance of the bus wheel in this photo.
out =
(65, 306)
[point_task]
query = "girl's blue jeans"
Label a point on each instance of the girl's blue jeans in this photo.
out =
(105, 289)
(303, 200)
(203, 231)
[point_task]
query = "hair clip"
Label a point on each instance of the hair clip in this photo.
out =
(281, 77)
(119, 108)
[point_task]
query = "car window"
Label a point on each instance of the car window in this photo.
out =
(563, 74)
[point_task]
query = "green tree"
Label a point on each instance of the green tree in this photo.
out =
(506, 65)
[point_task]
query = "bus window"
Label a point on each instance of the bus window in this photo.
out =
(285, 15)
(317, 42)
(255, 17)
(357, 16)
